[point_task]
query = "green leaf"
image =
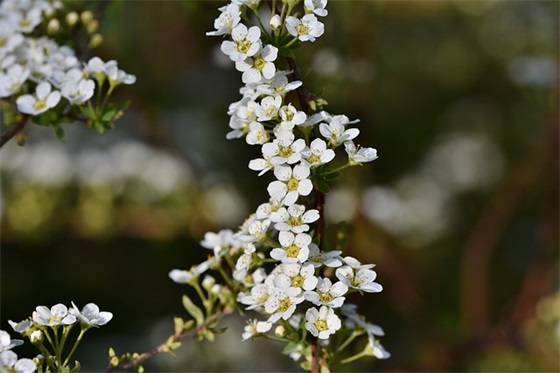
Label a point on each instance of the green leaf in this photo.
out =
(179, 324)
(99, 127)
(109, 115)
(290, 347)
(306, 365)
(322, 185)
(58, 131)
(218, 330)
(193, 310)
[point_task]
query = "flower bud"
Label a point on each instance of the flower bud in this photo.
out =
(280, 331)
(53, 26)
(92, 26)
(208, 282)
(96, 40)
(36, 337)
(72, 18)
(86, 16)
(275, 22)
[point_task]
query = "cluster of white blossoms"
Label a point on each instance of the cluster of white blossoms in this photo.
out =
(43, 327)
(35, 71)
(299, 147)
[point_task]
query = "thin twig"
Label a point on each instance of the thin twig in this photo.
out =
(178, 336)
(14, 131)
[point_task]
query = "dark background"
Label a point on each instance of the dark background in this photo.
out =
(459, 213)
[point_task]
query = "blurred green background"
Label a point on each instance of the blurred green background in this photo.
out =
(459, 213)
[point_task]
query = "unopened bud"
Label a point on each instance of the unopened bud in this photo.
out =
(280, 331)
(36, 337)
(72, 18)
(86, 16)
(92, 26)
(208, 282)
(53, 26)
(96, 40)
(275, 22)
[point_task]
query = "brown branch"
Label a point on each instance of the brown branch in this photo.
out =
(178, 336)
(17, 128)
(315, 357)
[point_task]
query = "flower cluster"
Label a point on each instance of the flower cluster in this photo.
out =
(42, 78)
(281, 264)
(42, 330)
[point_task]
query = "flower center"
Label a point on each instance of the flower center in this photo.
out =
(321, 325)
(298, 281)
(292, 251)
(326, 297)
(294, 221)
(292, 184)
(285, 304)
(40, 105)
(243, 46)
(302, 29)
(3, 42)
(286, 151)
(314, 159)
(259, 63)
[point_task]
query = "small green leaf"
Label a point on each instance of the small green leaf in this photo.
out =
(322, 185)
(58, 131)
(290, 347)
(193, 310)
(306, 365)
(218, 330)
(331, 176)
(108, 115)
(99, 127)
(76, 368)
(178, 324)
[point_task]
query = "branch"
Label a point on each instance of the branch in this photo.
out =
(17, 128)
(178, 336)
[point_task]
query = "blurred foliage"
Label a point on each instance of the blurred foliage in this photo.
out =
(460, 212)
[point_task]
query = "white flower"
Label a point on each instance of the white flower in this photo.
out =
(246, 43)
(21, 326)
(78, 92)
(10, 363)
(258, 297)
(25, 21)
(320, 258)
(357, 155)
(268, 108)
(306, 29)
(260, 66)
(256, 231)
(265, 209)
(295, 248)
(43, 100)
(359, 278)
(378, 350)
(261, 164)
(9, 37)
(7, 343)
(227, 20)
(12, 80)
(318, 154)
(257, 134)
(336, 131)
(279, 85)
(294, 218)
(90, 315)
(291, 117)
(322, 323)
(117, 76)
(316, 6)
(184, 277)
(327, 293)
(294, 278)
(280, 305)
(284, 149)
(219, 242)
(291, 183)
(57, 315)
(255, 327)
